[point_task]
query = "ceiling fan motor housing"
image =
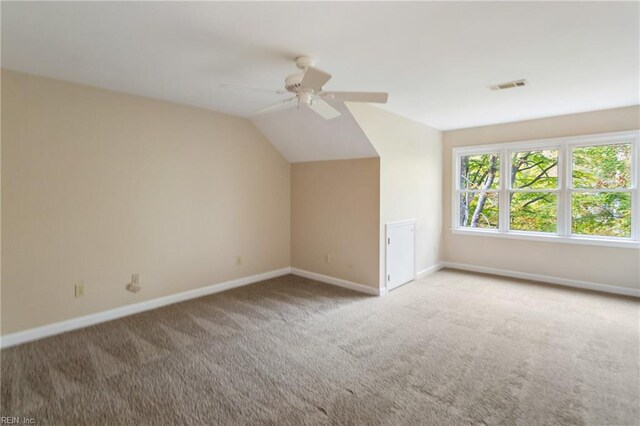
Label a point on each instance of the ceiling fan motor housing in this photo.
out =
(292, 82)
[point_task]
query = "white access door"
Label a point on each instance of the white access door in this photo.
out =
(401, 253)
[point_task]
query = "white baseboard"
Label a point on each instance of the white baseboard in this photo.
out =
(544, 278)
(428, 271)
(92, 319)
(87, 320)
(338, 282)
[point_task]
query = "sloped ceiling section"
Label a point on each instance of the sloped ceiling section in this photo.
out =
(302, 135)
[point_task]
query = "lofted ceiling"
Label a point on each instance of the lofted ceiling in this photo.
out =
(302, 135)
(436, 59)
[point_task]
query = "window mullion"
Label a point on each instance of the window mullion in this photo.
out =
(527, 190)
(600, 190)
(503, 197)
(635, 193)
(564, 194)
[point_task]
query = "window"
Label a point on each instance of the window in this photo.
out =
(582, 189)
(601, 190)
(479, 184)
(533, 194)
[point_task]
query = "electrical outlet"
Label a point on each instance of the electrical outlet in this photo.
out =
(134, 285)
(79, 289)
(238, 260)
(327, 258)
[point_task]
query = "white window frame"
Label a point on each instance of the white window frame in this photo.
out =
(564, 191)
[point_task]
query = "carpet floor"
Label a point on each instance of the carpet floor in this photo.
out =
(451, 349)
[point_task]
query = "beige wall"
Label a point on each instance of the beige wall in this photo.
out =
(410, 178)
(603, 265)
(97, 185)
(335, 211)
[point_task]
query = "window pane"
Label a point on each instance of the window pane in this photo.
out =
(535, 169)
(534, 211)
(605, 214)
(602, 166)
(480, 171)
(479, 210)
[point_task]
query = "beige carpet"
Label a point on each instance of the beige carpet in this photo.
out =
(453, 348)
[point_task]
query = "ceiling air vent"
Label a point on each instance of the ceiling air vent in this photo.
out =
(510, 85)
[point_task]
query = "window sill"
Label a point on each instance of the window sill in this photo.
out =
(531, 236)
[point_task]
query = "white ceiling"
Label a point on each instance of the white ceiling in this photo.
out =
(435, 59)
(302, 135)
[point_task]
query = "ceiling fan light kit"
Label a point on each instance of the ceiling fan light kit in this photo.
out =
(308, 87)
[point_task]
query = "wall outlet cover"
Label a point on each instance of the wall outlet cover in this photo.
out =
(133, 288)
(79, 290)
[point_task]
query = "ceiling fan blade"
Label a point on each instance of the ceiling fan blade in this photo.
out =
(251, 88)
(314, 78)
(324, 109)
(276, 107)
(375, 97)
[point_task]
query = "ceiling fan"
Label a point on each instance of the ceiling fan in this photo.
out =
(308, 89)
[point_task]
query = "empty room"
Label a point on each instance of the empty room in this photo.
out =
(301, 213)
